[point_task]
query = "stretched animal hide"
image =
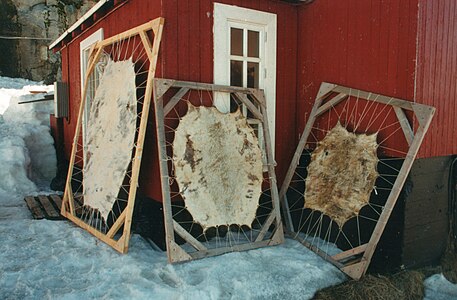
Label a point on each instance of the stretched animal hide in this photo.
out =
(218, 167)
(110, 136)
(342, 174)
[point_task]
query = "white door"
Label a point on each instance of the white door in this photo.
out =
(245, 55)
(84, 51)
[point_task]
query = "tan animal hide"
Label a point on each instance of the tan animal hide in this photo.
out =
(218, 167)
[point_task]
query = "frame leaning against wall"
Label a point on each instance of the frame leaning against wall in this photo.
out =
(183, 244)
(407, 120)
(145, 40)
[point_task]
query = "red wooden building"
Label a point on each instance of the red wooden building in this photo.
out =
(399, 48)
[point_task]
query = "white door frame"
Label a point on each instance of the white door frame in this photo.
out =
(224, 15)
(84, 48)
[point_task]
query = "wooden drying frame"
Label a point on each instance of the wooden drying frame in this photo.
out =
(175, 252)
(68, 203)
(338, 93)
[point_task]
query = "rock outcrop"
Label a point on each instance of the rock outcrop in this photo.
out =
(37, 23)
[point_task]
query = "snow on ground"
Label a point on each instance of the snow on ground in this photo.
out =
(55, 259)
(26, 146)
(437, 287)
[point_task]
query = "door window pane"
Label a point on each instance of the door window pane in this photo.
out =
(253, 43)
(236, 73)
(253, 75)
(236, 41)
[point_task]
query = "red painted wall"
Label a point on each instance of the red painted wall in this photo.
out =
(437, 73)
(363, 44)
(187, 54)
(372, 45)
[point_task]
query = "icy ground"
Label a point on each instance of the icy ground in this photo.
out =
(56, 260)
(437, 287)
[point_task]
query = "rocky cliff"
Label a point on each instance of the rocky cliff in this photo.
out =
(27, 27)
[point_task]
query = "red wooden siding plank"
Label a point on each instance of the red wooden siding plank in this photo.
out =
(452, 131)
(206, 47)
(375, 25)
(194, 59)
(445, 72)
(183, 45)
(402, 55)
(436, 141)
(433, 67)
(393, 47)
(412, 48)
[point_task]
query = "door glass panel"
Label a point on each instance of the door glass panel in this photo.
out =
(236, 41)
(236, 73)
(253, 75)
(253, 43)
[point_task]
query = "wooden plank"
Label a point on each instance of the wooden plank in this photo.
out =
(349, 253)
(125, 218)
(423, 112)
(211, 87)
(396, 189)
(315, 249)
(57, 200)
(405, 126)
(147, 45)
(265, 227)
(355, 271)
(252, 108)
(286, 213)
(49, 209)
(374, 97)
(329, 104)
(34, 207)
(324, 90)
(174, 252)
(158, 31)
(188, 237)
(117, 225)
(95, 232)
(233, 248)
(141, 135)
(174, 100)
(278, 236)
(179, 254)
(271, 166)
(163, 166)
(128, 34)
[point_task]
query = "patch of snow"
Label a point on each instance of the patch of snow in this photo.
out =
(27, 153)
(14, 83)
(57, 260)
(51, 259)
(437, 287)
(36, 113)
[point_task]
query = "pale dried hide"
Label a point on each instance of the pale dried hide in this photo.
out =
(342, 174)
(110, 136)
(218, 167)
